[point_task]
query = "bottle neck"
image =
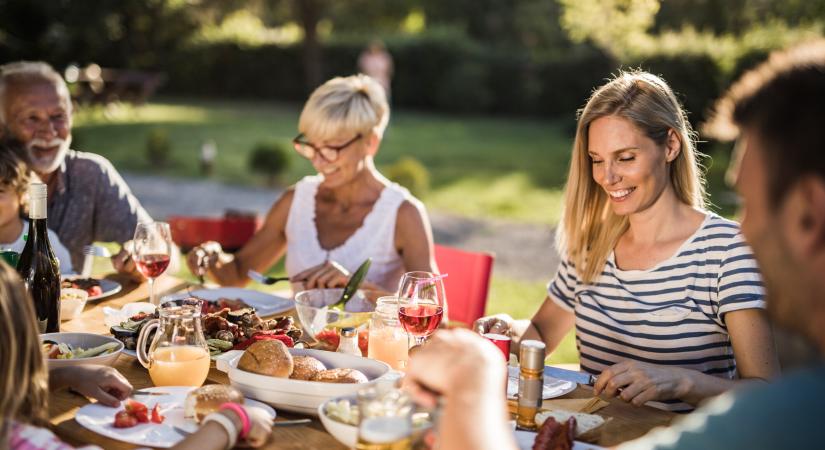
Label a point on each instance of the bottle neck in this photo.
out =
(37, 208)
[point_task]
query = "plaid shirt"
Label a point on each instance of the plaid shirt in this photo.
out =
(92, 203)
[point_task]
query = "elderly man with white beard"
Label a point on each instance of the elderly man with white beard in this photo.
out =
(88, 200)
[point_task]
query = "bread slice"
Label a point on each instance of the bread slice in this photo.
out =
(587, 425)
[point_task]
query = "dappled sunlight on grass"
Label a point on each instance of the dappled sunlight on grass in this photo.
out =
(121, 113)
(510, 195)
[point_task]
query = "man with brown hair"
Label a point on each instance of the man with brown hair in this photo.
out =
(777, 114)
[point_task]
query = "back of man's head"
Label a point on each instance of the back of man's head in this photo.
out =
(21, 72)
(782, 101)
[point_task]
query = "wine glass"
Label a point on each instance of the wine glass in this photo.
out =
(152, 250)
(421, 304)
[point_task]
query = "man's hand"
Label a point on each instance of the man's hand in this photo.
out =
(456, 364)
(125, 264)
(103, 383)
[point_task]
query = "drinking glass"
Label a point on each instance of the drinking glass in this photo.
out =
(152, 251)
(388, 341)
(421, 304)
(385, 418)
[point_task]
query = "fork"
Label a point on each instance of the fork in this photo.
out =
(90, 251)
(265, 279)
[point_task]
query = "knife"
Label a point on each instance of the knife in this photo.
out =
(569, 375)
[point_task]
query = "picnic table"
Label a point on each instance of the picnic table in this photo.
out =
(627, 421)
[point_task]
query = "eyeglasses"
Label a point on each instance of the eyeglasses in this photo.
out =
(328, 152)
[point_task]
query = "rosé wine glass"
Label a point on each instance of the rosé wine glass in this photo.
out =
(421, 304)
(152, 251)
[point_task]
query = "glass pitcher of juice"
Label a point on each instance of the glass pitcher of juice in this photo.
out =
(178, 355)
(388, 341)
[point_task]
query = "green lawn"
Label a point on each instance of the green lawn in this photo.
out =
(510, 168)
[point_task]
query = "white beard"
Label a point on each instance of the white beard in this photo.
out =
(48, 164)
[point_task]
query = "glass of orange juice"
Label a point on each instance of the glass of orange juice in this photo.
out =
(177, 355)
(388, 341)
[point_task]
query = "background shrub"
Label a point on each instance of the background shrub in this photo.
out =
(270, 159)
(158, 147)
(410, 173)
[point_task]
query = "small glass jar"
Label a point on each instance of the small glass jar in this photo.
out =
(388, 341)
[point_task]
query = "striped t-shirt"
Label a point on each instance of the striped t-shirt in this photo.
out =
(672, 314)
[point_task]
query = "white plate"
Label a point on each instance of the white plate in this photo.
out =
(100, 419)
(108, 287)
(524, 441)
(553, 387)
(264, 304)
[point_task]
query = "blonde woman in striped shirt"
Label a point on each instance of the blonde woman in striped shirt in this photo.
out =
(665, 296)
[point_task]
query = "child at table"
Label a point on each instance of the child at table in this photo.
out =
(14, 185)
(25, 384)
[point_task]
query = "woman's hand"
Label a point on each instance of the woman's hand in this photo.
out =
(328, 274)
(203, 258)
(103, 383)
(261, 427)
(638, 382)
(498, 324)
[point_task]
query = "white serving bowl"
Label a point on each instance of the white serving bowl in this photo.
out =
(342, 432)
(72, 302)
(348, 434)
(86, 341)
(299, 395)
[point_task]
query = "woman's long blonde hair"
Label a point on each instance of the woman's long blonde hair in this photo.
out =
(23, 374)
(589, 228)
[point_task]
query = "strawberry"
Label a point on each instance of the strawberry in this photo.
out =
(137, 410)
(363, 341)
(156, 417)
(124, 420)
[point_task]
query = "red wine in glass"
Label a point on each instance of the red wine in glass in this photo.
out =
(420, 320)
(152, 265)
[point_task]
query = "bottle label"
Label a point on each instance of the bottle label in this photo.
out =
(42, 324)
(529, 392)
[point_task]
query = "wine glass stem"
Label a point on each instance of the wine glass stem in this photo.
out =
(420, 340)
(152, 291)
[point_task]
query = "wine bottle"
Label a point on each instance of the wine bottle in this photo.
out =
(38, 267)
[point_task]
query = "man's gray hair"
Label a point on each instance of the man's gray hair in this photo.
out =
(25, 70)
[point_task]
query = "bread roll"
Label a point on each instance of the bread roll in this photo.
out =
(306, 368)
(340, 375)
(270, 357)
(207, 399)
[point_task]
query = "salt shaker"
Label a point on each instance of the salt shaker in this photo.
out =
(349, 342)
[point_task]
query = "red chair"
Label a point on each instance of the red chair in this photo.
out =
(467, 283)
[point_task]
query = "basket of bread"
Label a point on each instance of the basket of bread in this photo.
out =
(294, 379)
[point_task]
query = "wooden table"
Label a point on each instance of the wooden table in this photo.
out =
(627, 422)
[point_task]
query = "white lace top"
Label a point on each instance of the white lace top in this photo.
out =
(375, 238)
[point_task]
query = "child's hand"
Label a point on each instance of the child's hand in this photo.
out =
(102, 383)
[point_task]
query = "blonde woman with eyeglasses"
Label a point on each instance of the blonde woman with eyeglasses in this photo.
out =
(665, 296)
(328, 224)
